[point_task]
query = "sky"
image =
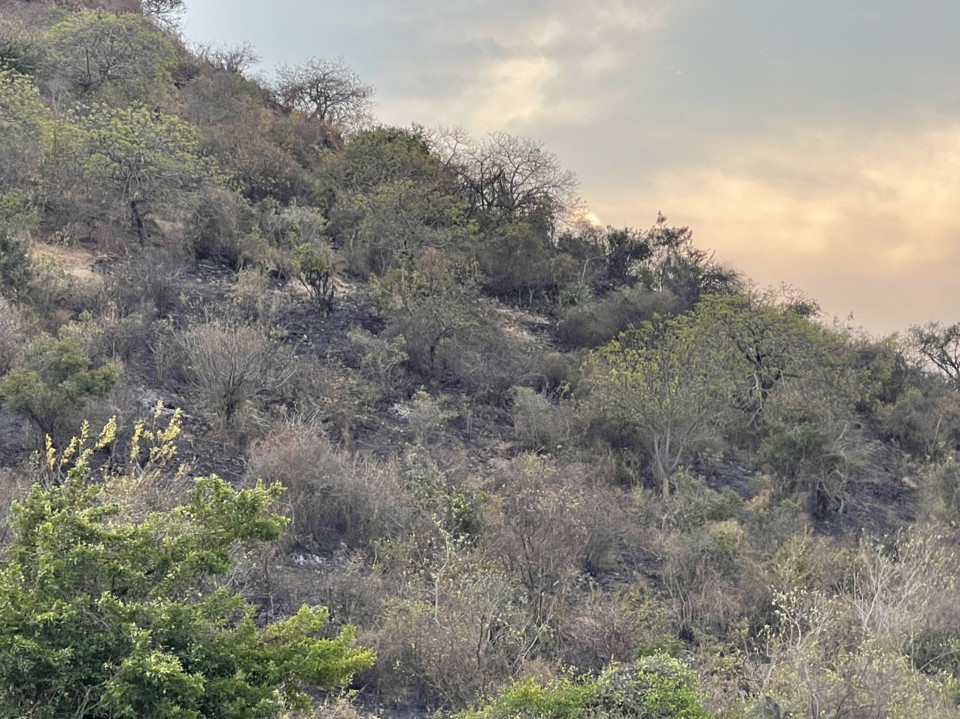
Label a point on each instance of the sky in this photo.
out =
(812, 142)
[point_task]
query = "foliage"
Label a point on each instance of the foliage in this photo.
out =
(15, 267)
(138, 160)
(107, 610)
(20, 48)
(314, 268)
(433, 305)
(938, 345)
(24, 123)
(115, 58)
(666, 387)
(656, 687)
(378, 155)
(52, 379)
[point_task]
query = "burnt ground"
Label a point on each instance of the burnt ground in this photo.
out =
(14, 441)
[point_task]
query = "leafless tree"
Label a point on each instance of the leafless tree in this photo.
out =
(508, 175)
(325, 90)
(235, 59)
(165, 13)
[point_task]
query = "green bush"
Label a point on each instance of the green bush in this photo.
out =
(52, 380)
(15, 268)
(656, 687)
(107, 610)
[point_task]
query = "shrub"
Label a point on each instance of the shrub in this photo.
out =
(595, 323)
(52, 380)
(150, 279)
(231, 367)
(16, 270)
(107, 609)
(656, 687)
(255, 299)
(334, 499)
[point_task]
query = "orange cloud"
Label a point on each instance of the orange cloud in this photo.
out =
(865, 220)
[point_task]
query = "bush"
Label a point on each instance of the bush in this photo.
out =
(334, 499)
(15, 268)
(149, 280)
(657, 687)
(231, 367)
(11, 336)
(52, 380)
(107, 609)
(595, 323)
(221, 227)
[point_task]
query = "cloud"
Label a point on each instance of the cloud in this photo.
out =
(509, 65)
(863, 219)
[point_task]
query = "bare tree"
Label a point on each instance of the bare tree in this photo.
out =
(235, 59)
(507, 175)
(166, 13)
(232, 366)
(937, 345)
(325, 90)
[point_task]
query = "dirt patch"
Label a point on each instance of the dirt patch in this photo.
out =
(77, 262)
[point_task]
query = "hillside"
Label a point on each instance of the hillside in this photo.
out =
(587, 470)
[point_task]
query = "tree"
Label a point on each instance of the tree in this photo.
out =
(667, 387)
(772, 347)
(514, 177)
(138, 160)
(378, 155)
(326, 91)
(675, 265)
(166, 13)
(106, 609)
(115, 58)
(24, 122)
(939, 345)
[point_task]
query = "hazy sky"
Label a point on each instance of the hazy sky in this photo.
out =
(814, 142)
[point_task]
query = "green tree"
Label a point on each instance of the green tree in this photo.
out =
(668, 386)
(106, 610)
(113, 58)
(383, 154)
(24, 122)
(773, 347)
(138, 161)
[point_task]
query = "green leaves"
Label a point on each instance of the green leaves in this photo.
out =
(667, 385)
(105, 615)
(53, 378)
(118, 58)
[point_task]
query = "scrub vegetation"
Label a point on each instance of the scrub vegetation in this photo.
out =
(389, 427)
